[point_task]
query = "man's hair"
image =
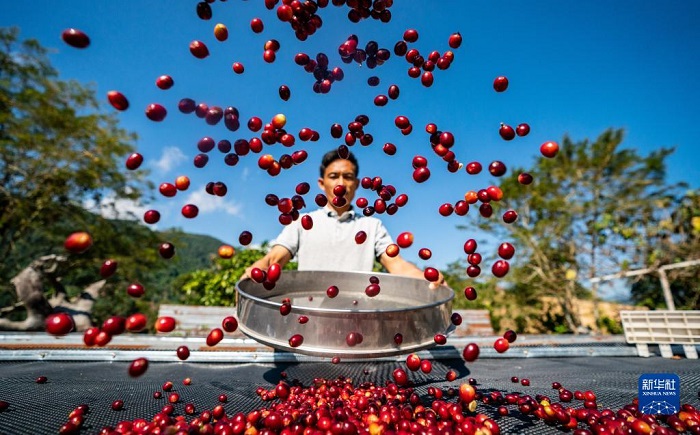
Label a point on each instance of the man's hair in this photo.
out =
(332, 155)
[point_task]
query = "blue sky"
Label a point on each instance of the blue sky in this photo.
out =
(574, 68)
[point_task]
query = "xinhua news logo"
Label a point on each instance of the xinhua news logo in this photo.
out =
(659, 393)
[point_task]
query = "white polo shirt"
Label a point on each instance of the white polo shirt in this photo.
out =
(330, 243)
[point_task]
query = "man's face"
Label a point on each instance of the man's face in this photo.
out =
(341, 171)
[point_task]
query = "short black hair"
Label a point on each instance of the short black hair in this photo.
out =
(332, 155)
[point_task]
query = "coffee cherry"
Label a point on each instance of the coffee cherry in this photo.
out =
(400, 376)
(470, 293)
(138, 367)
(183, 352)
(296, 340)
(549, 149)
(332, 291)
(501, 345)
(525, 178)
(431, 274)
(470, 352)
(455, 40)
(59, 324)
(214, 337)
(522, 129)
(507, 132)
(500, 268)
(510, 335)
(229, 324)
(500, 84)
(405, 240)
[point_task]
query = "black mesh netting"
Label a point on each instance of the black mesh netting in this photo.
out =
(43, 408)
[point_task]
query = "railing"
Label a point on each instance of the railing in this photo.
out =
(474, 322)
(196, 320)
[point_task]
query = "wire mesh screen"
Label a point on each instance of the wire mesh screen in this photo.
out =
(43, 408)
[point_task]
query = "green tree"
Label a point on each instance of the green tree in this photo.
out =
(515, 308)
(57, 150)
(216, 286)
(676, 239)
(133, 245)
(588, 212)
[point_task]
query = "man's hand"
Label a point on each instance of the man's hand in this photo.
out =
(397, 265)
(440, 281)
(277, 254)
(246, 273)
(258, 264)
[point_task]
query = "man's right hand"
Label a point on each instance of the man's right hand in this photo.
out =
(246, 273)
(277, 254)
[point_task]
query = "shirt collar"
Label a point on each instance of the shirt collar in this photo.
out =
(347, 216)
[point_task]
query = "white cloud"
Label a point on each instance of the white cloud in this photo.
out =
(257, 246)
(210, 203)
(245, 174)
(170, 159)
(112, 208)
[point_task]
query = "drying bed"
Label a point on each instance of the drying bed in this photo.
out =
(43, 408)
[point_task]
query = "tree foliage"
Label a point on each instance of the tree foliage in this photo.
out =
(588, 212)
(57, 150)
(216, 286)
(135, 248)
(676, 239)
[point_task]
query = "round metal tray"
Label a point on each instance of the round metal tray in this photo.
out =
(404, 305)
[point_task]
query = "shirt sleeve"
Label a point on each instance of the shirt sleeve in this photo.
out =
(382, 240)
(289, 238)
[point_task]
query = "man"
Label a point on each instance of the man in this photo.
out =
(330, 244)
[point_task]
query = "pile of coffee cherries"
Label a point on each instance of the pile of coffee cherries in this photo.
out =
(341, 406)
